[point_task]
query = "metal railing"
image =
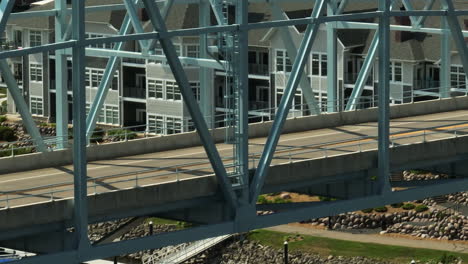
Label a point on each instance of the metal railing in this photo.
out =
(283, 155)
(185, 251)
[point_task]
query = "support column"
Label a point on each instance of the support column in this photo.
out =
(61, 77)
(445, 59)
(332, 77)
(242, 151)
(80, 217)
(384, 99)
(205, 76)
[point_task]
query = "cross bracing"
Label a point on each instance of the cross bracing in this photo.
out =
(231, 35)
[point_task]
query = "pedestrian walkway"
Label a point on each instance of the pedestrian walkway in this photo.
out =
(452, 246)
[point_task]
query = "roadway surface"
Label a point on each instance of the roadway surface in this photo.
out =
(127, 172)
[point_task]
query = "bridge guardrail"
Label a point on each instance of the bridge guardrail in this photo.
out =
(178, 170)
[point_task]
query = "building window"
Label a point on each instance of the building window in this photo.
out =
(192, 51)
(283, 63)
(172, 91)
(111, 115)
(35, 71)
(195, 89)
(164, 125)
(35, 38)
(18, 38)
(457, 77)
(155, 89)
(101, 46)
(36, 106)
(319, 64)
(396, 71)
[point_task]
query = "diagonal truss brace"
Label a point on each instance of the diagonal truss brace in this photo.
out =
(106, 81)
(132, 13)
(22, 106)
(292, 53)
(365, 71)
(417, 21)
(6, 6)
(286, 100)
(191, 103)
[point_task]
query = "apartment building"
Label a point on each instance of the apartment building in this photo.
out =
(144, 92)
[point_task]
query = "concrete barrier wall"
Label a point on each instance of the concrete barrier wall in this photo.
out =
(186, 140)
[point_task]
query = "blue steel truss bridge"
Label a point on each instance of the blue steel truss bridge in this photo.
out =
(213, 176)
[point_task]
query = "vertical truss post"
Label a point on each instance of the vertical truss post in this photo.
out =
(291, 49)
(80, 217)
(366, 68)
(242, 150)
(332, 77)
(445, 58)
(384, 98)
(23, 109)
(341, 8)
(61, 77)
(286, 100)
(457, 35)
(206, 82)
(191, 103)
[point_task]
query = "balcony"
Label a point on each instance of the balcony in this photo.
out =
(134, 92)
(258, 69)
(9, 45)
(134, 61)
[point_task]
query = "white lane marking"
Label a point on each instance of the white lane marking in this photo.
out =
(202, 152)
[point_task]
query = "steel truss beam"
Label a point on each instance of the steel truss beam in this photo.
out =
(202, 232)
(5, 9)
(291, 48)
(191, 103)
(384, 99)
(286, 100)
(61, 77)
(80, 216)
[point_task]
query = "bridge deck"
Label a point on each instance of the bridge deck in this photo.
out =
(127, 172)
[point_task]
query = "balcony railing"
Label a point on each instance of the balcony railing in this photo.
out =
(258, 69)
(9, 45)
(134, 92)
(134, 60)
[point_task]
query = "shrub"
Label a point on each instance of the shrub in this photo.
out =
(368, 210)
(7, 134)
(3, 119)
(408, 206)
(262, 199)
(326, 199)
(397, 205)
(421, 208)
(281, 200)
(21, 151)
(447, 259)
(98, 134)
(381, 209)
(120, 134)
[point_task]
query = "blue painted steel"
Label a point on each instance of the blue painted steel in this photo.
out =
(291, 49)
(22, 106)
(191, 103)
(384, 98)
(445, 59)
(80, 216)
(332, 72)
(286, 100)
(132, 13)
(61, 77)
(5, 9)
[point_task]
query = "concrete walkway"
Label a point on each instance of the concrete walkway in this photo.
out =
(444, 245)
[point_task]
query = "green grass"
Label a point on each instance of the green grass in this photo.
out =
(163, 221)
(328, 246)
